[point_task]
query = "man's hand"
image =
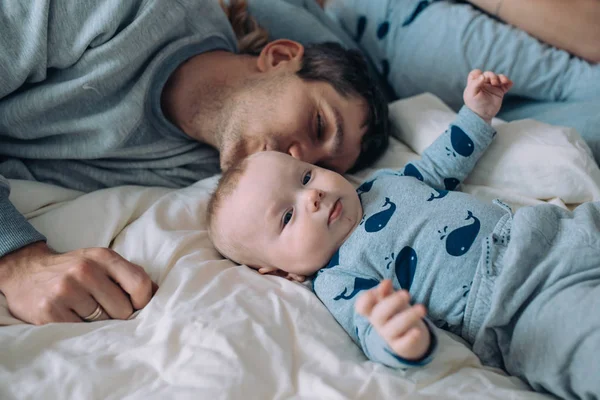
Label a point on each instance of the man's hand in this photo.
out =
(397, 322)
(484, 93)
(41, 286)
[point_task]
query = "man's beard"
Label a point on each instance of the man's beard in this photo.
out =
(233, 149)
(232, 127)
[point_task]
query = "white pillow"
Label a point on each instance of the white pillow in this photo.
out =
(527, 158)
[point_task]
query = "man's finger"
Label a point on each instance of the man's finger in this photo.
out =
(59, 313)
(131, 277)
(93, 277)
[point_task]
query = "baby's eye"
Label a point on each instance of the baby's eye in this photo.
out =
(287, 217)
(306, 178)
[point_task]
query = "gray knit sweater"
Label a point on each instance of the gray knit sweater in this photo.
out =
(80, 86)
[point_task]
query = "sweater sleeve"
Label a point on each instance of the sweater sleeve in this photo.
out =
(15, 231)
(452, 156)
(37, 37)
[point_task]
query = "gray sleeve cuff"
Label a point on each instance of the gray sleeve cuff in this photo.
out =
(15, 231)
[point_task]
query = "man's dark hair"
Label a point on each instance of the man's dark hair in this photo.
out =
(348, 73)
(346, 70)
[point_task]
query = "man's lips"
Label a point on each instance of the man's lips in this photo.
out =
(335, 212)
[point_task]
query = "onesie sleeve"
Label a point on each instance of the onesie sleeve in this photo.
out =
(452, 156)
(339, 289)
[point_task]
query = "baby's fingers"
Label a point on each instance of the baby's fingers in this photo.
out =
(505, 82)
(475, 74)
(409, 341)
(366, 301)
(402, 322)
(387, 308)
(491, 78)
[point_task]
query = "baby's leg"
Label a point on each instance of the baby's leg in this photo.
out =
(431, 46)
(556, 339)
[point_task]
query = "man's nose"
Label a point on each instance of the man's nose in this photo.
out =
(313, 199)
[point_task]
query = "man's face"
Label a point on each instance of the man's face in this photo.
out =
(310, 121)
(289, 215)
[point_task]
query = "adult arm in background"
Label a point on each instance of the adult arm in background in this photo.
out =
(572, 25)
(41, 286)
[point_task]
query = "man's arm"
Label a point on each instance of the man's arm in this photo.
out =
(569, 25)
(38, 36)
(15, 231)
(42, 286)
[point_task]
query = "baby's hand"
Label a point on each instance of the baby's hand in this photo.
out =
(484, 93)
(397, 322)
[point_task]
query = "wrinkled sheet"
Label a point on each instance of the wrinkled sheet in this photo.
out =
(216, 330)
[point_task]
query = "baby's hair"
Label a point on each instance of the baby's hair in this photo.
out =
(226, 246)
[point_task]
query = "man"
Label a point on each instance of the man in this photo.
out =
(100, 94)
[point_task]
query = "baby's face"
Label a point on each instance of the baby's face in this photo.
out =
(289, 214)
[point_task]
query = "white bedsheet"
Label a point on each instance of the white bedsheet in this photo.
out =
(215, 330)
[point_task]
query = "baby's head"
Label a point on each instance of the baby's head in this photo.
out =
(275, 213)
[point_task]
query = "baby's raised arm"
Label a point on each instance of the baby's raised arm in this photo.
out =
(452, 156)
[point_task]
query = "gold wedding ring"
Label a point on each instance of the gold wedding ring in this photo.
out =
(95, 315)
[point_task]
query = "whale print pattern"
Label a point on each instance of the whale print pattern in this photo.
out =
(461, 142)
(405, 267)
(361, 24)
(378, 221)
(411, 170)
(335, 260)
(365, 187)
(441, 194)
(420, 7)
(383, 30)
(451, 183)
(360, 284)
(459, 241)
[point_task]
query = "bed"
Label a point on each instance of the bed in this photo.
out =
(216, 330)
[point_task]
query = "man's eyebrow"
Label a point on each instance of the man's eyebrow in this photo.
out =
(367, 119)
(338, 139)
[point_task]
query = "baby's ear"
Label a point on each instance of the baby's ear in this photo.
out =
(268, 271)
(281, 274)
(295, 277)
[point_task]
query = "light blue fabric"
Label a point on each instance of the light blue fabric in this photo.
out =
(430, 46)
(533, 306)
(417, 232)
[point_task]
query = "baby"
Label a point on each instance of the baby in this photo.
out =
(406, 239)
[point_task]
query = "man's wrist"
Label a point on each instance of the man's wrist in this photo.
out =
(8, 261)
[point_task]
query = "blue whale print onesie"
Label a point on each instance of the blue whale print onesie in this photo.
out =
(483, 273)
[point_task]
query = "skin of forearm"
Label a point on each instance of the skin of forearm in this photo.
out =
(572, 25)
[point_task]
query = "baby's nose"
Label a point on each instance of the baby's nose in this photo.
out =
(314, 199)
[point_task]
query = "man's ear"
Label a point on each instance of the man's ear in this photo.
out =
(282, 53)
